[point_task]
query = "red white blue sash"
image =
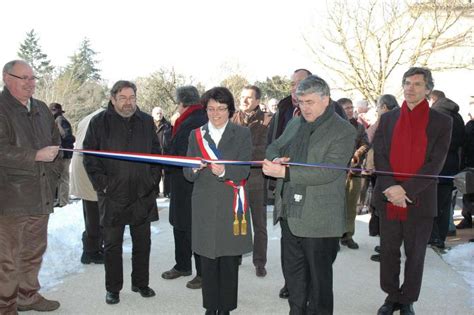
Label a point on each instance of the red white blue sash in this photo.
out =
(209, 151)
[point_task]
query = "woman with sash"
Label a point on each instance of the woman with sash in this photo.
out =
(220, 219)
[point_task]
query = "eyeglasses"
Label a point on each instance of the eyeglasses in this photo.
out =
(24, 78)
(214, 110)
(123, 99)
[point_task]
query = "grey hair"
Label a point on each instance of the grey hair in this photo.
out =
(429, 83)
(9, 65)
(388, 100)
(187, 95)
(313, 84)
(120, 85)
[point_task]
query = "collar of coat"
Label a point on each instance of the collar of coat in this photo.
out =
(138, 113)
(17, 105)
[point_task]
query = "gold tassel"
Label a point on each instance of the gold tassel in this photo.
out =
(244, 225)
(236, 225)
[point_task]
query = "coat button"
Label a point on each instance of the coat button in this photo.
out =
(44, 174)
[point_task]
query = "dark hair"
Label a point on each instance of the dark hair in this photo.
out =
(344, 100)
(258, 92)
(120, 85)
(56, 107)
(303, 69)
(187, 95)
(388, 100)
(219, 94)
(438, 94)
(313, 84)
(429, 83)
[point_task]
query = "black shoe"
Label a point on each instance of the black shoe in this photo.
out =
(96, 258)
(437, 243)
(407, 309)
(349, 243)
(284, 294)
(240, 260)
(223, 312)
(388, 308)
(173, 274)
(210, 312)
(195, 283)
(260, 272)
(464, 224)
(377, 249)
(144, 291)
(375, 257)
(112, 297)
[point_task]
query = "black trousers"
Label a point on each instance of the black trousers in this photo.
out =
(307, 267)
(258, 210)
(467, 206)
(183, 252)
(441, 222)
(92, 239)
(414, 233)
(220, 280)
(141, 243)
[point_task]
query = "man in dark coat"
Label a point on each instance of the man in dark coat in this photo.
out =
(451, 167)
(126, 190)
(468, 161)
(250, 115)
(67, 142)
(29, 143)
(192, 116)
(411, 140)
(163, 131)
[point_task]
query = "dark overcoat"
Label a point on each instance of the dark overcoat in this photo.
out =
(212, 199)
(125, 189)
(180, 188)
(422, 191)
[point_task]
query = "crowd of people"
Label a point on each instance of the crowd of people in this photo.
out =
(218, 211)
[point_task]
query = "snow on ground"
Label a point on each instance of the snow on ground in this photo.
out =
(64, 250)
(65, 247)
(461, 258)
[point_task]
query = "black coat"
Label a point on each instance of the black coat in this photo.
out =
(125, 189)
(67, 138)
(453, 162)
(163, 132)
(469, 145)
(181, 190)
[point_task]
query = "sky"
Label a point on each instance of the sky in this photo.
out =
(204, 39)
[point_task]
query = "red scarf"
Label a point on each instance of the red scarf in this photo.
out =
(191, 109)
(408, 149)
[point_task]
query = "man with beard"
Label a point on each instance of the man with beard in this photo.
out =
(126, 190)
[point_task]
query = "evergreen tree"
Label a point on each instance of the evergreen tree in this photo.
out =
(31, 52)
(83, 64)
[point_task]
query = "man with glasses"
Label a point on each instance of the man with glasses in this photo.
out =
(126, 190)
(29, 143)
(310, 202)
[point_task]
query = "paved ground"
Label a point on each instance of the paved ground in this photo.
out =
(356, 283)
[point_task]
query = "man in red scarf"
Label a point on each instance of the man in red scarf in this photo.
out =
(411, 140)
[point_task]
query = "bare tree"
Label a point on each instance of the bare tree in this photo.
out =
(366, 41)
(159, 89)
(235, 83)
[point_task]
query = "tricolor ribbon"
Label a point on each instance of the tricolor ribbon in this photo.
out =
(240, 205)
(195, 162)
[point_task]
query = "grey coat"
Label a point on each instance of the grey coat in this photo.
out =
(212, 199)
(323, 205)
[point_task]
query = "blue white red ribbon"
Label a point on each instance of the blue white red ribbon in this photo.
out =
(195, 162)
(211, 153)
